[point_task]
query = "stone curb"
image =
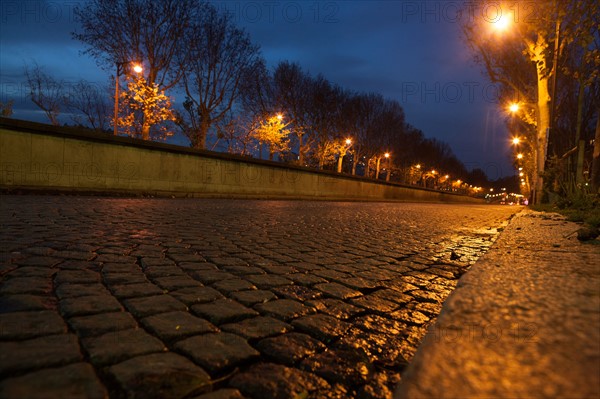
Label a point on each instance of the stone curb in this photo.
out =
(524, 322)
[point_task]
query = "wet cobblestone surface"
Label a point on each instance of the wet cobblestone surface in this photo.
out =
(224, 298)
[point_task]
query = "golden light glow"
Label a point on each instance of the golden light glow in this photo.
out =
(519, 156)
(279, 116)
(516, 140)
(521, 174)
(348, 141)
(418, 166)
(433, 172)
(137, 68)
(387, 155)
(514, 107)
(503, 21)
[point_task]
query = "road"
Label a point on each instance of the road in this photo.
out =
(224, 298)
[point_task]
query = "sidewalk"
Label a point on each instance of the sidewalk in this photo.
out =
(523, 323)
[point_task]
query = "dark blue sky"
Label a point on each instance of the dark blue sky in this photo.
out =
(410, 51)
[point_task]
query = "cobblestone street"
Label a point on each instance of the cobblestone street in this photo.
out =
(182, 298)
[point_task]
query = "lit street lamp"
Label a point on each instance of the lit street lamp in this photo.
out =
(343, 151)
(137, 68)
(387, 175)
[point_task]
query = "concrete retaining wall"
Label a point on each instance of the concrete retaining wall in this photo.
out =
(41, 157)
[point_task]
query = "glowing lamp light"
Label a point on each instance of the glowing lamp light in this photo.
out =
(387, 155)
(348, 141)
(519, 156)
(502, 22)
(137, 68)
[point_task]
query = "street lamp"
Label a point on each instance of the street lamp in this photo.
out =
(137, 68)
(516, 141)
(387, 175)
(343, 151)
(519, 156)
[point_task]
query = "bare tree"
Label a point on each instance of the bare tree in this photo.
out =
(215, 57)
(45, 92)
(292, 94)
(88, 105)
(146, 31)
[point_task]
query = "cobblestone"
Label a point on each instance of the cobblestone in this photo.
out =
(114, 347)
(73, 381)
(160, 375)
(217, 352)
(25, 325)
(245, 299)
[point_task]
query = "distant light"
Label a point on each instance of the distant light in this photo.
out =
(516, 140)
(519, 156)
(514, 107)
(279, 116)
(137, 68)
(387, 155)
(348, 141)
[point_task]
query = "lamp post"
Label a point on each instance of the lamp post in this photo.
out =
(387, 175)
(343, 151)
(137, 68)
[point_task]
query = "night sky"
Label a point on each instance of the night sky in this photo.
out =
(411, 51)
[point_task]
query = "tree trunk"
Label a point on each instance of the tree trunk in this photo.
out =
(377, 168)
(580, 143)
(339, 163)
(145, 130)
(596, 158)
(543, 122)
(202, 133)
(300, 150)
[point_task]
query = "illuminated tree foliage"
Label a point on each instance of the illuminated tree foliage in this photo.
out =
(6, 109)
(144, 101)
(273, 133)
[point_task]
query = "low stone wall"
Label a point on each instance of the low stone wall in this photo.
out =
(35, 156)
